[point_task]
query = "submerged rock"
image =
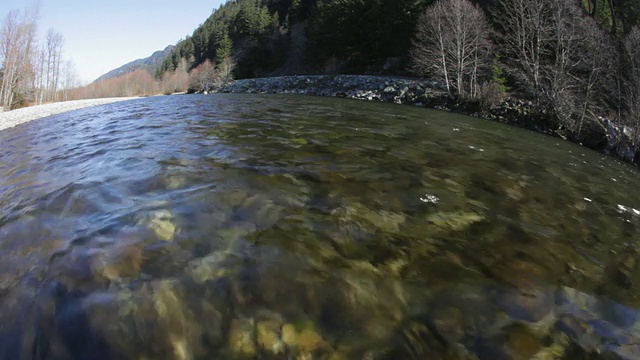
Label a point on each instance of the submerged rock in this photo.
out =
(365, 303)
(417, 340)
(450, 323)
(212, 267)
(241, 339)
(302, 338)
(118, 261)
(524, 293)
(76, 271)
(163, 258)
(175, 181)
(455, 221)
(521, 342)
(268, 336)
(160, 222)
(289, 335)
(153, 321)
(381, 220)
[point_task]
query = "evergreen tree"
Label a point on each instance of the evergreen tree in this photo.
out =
(294, 10)
(224, 49)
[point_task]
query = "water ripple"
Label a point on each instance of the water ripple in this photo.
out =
(233, 226)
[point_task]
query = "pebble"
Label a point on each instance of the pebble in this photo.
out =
(241, 339)
(267, 335)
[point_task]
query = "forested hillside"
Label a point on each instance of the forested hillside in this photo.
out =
(294, 36)
(333, 36)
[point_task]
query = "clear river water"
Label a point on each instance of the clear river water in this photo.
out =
(292, 227)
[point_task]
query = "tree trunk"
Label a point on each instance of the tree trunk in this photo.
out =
(614, 22)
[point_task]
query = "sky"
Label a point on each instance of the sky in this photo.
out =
(103, 35)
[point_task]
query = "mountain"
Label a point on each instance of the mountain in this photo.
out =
(150, 64)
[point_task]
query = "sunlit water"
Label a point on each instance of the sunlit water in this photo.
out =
(244, 226)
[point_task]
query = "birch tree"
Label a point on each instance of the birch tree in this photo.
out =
(451, 45)
(598, 78)
(225, 71)
(556, 55)
(53, 62)
(17, 36)
(70, 79)
(526, 31)
(40, 76)
(561, 77)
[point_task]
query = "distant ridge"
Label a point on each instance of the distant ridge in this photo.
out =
(150, 64)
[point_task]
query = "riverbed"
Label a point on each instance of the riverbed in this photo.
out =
(295, 227)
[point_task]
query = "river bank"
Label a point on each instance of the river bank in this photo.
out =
(12, 118)
(600, 135)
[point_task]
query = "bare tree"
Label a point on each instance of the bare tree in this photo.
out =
(136, 83)
(452, 45)
(429, 50)
(17, 34)
(631, 84)
(225, 70)
(145, 84)
(557, 55)
(560, 82)
(70, 79)
(526, 32)
(40, 76)
(178, 80)
(203, 77)
(596, 72)
(53, 61)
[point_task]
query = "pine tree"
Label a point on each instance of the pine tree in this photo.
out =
(294, 10)
(224, 49)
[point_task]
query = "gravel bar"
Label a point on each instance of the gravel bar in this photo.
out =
(15, 117)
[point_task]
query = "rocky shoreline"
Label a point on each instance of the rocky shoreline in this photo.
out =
(9, 119)
(600, 135)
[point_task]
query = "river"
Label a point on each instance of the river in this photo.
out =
(293, 227)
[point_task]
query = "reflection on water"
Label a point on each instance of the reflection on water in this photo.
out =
(231, 226)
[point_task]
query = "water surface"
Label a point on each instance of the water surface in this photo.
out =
(244, 226)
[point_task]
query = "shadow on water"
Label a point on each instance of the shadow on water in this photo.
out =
(63, 330)
(284, 227)
(52, 326)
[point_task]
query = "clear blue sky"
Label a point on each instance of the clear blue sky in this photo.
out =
(103, 35)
